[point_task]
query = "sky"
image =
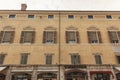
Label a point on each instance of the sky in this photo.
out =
(103, 5)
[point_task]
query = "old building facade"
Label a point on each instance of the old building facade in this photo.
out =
(59, 45)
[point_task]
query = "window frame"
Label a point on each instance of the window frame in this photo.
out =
(70, 16)
(98, 37)
(33, 16)
(48, 59)
(12, 16)
(24, 58)
(75, 58)
(90, 17)
(23, 34)
(4, 33)
(117, 35)
(108, 17)
(54, 37)
(3, 58)
(98, 60)
(76, 36)
(50, 16)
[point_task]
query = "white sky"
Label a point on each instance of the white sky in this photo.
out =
(61, 4)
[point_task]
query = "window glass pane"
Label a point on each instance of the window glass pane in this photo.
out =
(49, 37)
(2, 56)
(70, 16)
(24, 58)
(48, 59)
(50, 16)
(30, 16)
(72, 37)
(108, 16)
(11, 16)
(90, 16)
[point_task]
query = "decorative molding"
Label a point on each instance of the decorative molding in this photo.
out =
(71, 28)
(8, 28)
(29, 28)
(97, 53)
(50, 28)
(92, 28)
(112, 28)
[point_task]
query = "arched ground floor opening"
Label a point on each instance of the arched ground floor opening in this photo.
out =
(75, 75)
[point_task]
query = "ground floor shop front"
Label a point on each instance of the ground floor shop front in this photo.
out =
(60, 72)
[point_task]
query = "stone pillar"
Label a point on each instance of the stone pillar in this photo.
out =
(113, 74)
(62, 76)
(34, 75)
(88, 72)
(9, 74)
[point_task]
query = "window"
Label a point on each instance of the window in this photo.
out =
(72, 37)
(50, 16)
(70, 16)
(24, 58)
(49, 37)
(30, 16)
(27, 37)
(11, 16)
(90, 16)
(118, 59)
(48, 59)
(75, 59)
(108, 17)
(98, 59)
(7, 36)
(0, 17)
(114, 36)
(94, 37)
(2, 57)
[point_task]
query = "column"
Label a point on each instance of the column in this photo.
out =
(62, 76)
(34, 75)
(88, 72)
(8, 75)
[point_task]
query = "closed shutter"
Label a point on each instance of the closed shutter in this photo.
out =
(66, 35)
(22, 37)
(1, 36)
(44, 36)
(55, 36)
(77, 35)
(119, 35)
(99, 36)
(12, 36)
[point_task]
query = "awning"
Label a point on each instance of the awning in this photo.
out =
(75, 70)
(104, 72)
(2, 68)
(118, 68)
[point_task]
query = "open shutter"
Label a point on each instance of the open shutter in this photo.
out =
(66, 35)
(89, 37)
(99, 37)
(1, 35)
(44, 36)
(77, 35)
(22, 37)
(78, 59)
(119, 35)
(12, 36)
(2, 56)
(55, 36)
(33, 37)
(110, 37)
